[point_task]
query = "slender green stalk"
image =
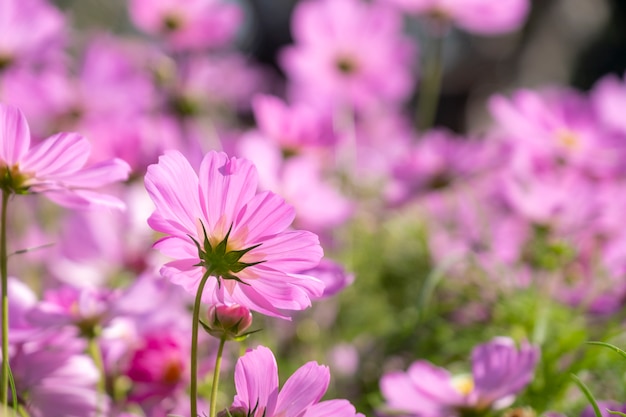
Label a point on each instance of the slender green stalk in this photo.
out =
(5, 303)
(216, 377)
(430, 85)
(194, 346)
(96, 355)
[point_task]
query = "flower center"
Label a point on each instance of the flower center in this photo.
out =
(172, 23)
(464, 384)
(568, 139)
(172, 372)
(346, 65)
(219, 261)
(12, 181)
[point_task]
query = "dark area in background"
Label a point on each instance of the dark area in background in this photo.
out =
(267, 30)
(606, 53)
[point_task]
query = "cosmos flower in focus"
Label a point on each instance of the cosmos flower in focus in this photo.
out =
(215, 223)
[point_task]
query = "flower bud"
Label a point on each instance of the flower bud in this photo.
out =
(229, 321)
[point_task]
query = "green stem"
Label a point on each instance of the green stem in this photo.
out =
(5, 303)
(430, 85)
(216, 377)
(96, 355)
(194, 346)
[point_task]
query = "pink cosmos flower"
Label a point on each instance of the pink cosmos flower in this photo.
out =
(157, 368)
(191, 24)
(555, 127)
(300, 179)
(608, 98)
(485, 17)
(294, 127)
(55, 166)
(256, 380)
(499, 371)
(30, 31)
(217, 224)
(328, 64)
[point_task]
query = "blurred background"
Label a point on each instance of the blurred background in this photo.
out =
(564, 42)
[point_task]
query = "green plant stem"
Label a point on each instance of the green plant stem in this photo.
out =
(96, 355)
(430, 90)
(5, 304)
(193, 386)
(216, 377)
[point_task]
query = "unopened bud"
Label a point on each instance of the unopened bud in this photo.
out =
(229, 322)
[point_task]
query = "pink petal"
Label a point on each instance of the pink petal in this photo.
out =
(293, 251)
(83, 199)
(95, 176)
(266, 214)
(256, 380)
(305, 387)
(14, 134)
(226, 185)
(173, 187)
(60, 154)
(284, 291)
(335, 408)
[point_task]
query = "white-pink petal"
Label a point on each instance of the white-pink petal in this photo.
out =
(256, 380)
(14, 135)
(173, 187)
(226, 186)
(61, 154)
(305, 387)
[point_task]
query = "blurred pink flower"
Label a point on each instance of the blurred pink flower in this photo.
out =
(499, 371)
(608, 98)
(256, 380)
(293, 127)
(191, 24)
(333, 275)
(328, 64)
(555, 127)
(31, 30)
(216, 223)
(484, 17)
(158, 368)
(55, 166)
(299, 179)
(59, 379)
(436, 162)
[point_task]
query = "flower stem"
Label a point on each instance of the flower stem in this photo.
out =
(96, 355)
(4, 393)
(431, 85)
(193, 387)
(216, 377)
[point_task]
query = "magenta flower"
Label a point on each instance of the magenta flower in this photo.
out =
(54, 167)
(217, 224)
(157, 368)
(499, 371)
(256, 380)
(485, 17)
